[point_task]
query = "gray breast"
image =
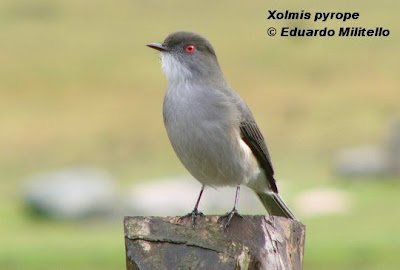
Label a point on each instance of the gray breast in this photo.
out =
(202, 125)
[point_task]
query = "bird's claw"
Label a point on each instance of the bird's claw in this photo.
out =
(194, 214)
(230, 215)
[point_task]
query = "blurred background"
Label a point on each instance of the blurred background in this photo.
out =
(83, 143)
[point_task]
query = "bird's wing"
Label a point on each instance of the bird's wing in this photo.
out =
(252, 136)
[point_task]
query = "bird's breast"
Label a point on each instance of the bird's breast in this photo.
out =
(204, 132)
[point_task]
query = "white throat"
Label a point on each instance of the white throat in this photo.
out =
(173, 69)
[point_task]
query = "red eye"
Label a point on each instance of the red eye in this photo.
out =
(190, 49)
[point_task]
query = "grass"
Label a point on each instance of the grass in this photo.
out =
(78, 86)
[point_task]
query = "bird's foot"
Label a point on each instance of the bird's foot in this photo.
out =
(230, 215)
(194, 214)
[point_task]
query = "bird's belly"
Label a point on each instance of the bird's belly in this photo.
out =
(212, 153)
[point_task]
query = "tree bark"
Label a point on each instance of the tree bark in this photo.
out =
(255, 242)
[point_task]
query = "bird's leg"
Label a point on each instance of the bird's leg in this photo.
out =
(195, 213)
(234, 211)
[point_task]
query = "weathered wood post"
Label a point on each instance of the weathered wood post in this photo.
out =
(255, 242)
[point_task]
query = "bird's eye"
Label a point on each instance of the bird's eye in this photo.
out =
(190, 49)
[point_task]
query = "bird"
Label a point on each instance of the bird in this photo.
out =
(210, 127)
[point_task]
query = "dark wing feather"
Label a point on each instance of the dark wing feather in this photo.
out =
(252, 136)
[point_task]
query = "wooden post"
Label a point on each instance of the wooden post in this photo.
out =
(255, 242)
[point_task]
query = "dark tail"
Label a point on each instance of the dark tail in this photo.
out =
(275, 205)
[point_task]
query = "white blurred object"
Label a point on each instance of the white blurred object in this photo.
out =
(73, 193)
(393, 145)
(371, 160)
(177, 196)
(322, 201)
(362, 161)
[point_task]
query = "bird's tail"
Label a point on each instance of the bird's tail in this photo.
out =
(275, 205)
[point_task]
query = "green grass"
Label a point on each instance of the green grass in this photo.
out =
(78, 86)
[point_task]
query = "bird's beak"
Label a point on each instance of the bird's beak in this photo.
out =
(157, 46)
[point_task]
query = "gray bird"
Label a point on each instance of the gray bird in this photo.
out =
(210, 127)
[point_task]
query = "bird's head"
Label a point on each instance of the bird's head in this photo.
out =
(187, 56)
